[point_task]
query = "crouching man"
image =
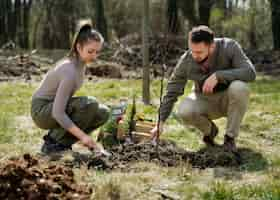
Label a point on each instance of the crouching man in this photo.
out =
(220, 71)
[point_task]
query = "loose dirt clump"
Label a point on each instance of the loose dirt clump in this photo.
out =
(166, 154)
(29, 178)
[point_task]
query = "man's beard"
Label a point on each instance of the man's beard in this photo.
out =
(203, 60)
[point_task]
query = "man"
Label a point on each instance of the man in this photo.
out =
(220, 70)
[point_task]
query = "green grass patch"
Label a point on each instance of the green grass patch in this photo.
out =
(224, 191)
(6, 128)
(256, 179)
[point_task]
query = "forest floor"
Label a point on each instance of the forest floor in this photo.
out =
(183, 168)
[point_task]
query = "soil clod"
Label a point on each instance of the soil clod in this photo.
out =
(27, 177)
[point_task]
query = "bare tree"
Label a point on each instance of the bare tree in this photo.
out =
(146, 68)
(26, 18)
(6, 8)
(275, 18)
(172, 16)
(189, 11)
(252, 31)
(2, 22)
(196, 15)
(100, 19)
(204, 11)
(58, 23)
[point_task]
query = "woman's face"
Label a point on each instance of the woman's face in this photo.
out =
(89, 51)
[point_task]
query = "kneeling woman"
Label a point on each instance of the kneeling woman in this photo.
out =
(68, 118)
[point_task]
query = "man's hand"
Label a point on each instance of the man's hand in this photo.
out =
(209, 84)
(156, 132)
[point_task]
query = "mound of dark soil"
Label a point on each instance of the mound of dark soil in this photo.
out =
(28, 178)
(166, 154)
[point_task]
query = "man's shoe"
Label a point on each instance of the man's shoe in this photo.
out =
(50, 146)
(229, 144)
(209, 139)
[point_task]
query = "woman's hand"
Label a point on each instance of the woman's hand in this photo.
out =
(88, 142)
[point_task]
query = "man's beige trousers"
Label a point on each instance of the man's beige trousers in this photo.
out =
(198, 109)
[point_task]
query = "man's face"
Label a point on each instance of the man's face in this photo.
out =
(89, 51)
(200, 51)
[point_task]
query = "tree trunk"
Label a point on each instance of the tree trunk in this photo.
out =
(5, 30)
(63, 22)
(188, 10)
(13, 27)
(16, 20)
(10, 25)
(58, 24)
(2, 22)
(172, 16)
(252, 30)
(26, 19)
(204, 11)
(20, 13)
(35, 29)
(146, 68)
(275, 19)
(101, 22)
(47, 36)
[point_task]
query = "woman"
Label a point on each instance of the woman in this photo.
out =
(68, 118)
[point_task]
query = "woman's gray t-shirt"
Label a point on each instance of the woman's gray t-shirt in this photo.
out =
(60, 84)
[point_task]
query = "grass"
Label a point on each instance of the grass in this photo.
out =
(6, 128)
(224, 191)
(257, 179)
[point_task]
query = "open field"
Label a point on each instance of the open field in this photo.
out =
(258, 177)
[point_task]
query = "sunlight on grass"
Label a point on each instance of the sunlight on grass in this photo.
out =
(259, 136)
(224, 191)
(15, 97)
(6, 128)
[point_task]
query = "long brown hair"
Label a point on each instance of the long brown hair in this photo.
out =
(82, 36)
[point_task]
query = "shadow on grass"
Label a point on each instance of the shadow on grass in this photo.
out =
(245, 159)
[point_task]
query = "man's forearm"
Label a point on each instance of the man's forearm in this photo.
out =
(166, 107)
(175, 88)
(243, 74)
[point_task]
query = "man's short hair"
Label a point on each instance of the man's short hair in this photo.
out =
(201, 34)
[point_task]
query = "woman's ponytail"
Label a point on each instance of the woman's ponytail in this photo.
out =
(85, 33)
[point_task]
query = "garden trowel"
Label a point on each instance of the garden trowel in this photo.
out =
(101, 152)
